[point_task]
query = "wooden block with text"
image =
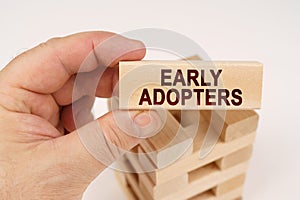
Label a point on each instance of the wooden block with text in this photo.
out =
(190, 85)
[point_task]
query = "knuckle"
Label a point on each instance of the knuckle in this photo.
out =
(113, 133)
(116, 138)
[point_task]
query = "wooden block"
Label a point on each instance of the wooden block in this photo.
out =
(165, 147)
(193, 162)
(134, 161)
(145, 192)
(176, 114)
(203, 171)
(127, 166)
(149, 167)
(230, 194)
(225, 84)
(135, 186)
(234, 158)
(236, 123)
(131, 178)
(164, 189)
(193, 57)
(202, 181)
(229, 185)
(125, 187)
(209, 195)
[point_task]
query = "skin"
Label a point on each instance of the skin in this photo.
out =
(38, 160)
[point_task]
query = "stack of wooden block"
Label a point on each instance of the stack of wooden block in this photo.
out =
(220, 175)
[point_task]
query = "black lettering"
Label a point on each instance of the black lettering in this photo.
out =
(186, 94)
(215, 76)
(203, 83)
(198, 97)
(145, 97)
(223, 94)
(179, 78)
(157, 101)
(210, 96)
(236, 94)
(164, 76)
(192, 75)
(169, 100)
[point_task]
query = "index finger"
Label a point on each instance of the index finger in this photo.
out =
(47, 67)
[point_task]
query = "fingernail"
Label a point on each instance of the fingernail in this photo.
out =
(140, 124)
(147, 123)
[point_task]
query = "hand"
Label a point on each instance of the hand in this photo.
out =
(42, 155)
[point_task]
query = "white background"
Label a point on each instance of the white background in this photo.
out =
(267, 31)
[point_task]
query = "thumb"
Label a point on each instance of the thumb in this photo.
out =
(98, 144)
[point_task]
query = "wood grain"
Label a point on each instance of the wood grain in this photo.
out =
(236, 123)
(235, 158)
(229, 185)
(137, 75)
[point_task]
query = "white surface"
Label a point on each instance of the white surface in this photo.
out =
(267, 31)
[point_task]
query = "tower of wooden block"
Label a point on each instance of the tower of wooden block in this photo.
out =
(220, 175)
